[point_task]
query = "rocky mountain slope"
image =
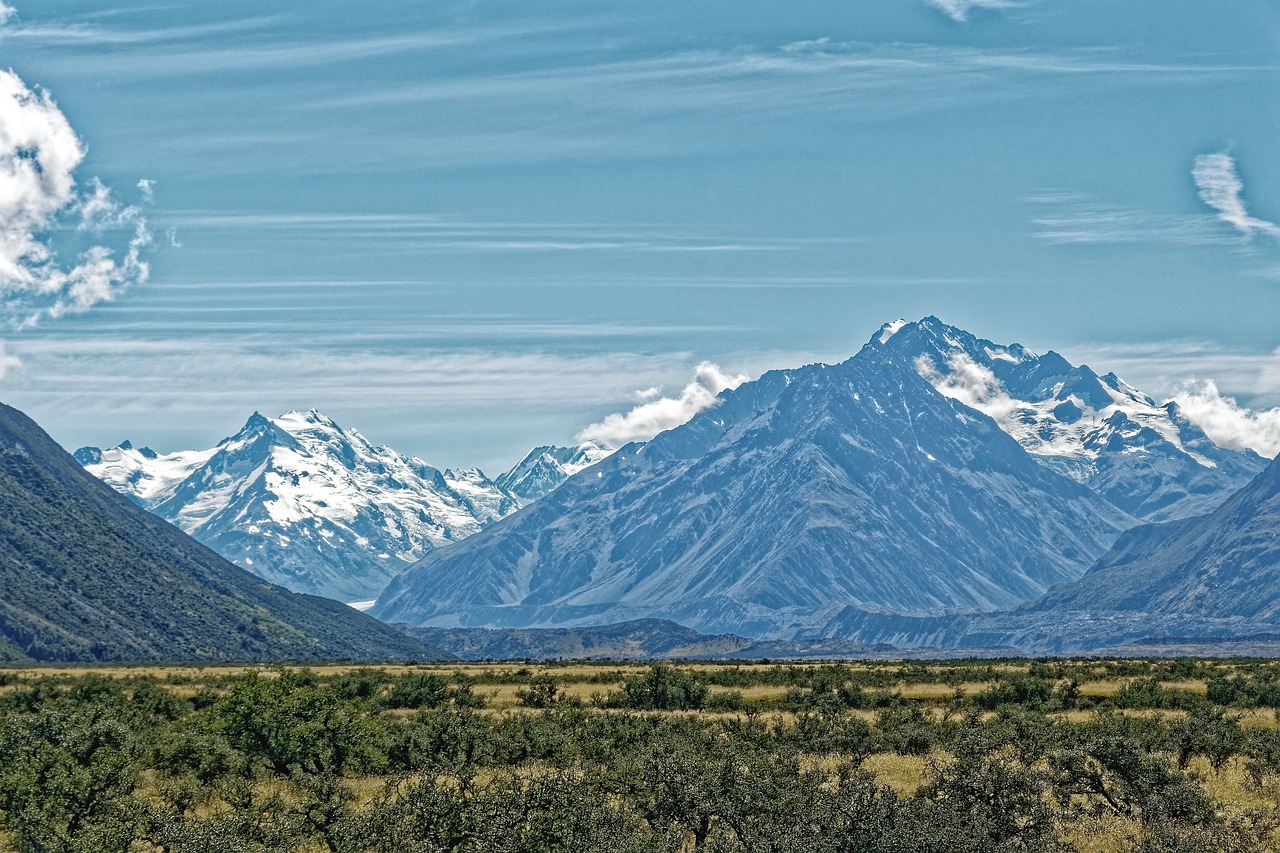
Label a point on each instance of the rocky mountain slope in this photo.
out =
(546, 467)
(304, 503)
(1144, 457)
(87, 575)
(856, 484)
(1225, 564)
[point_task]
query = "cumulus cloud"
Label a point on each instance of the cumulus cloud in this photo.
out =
(970, 383)
(958, 10)
(655, 413)
(39, 154)
(1220, 187)
(1228, 423)
(6, 12)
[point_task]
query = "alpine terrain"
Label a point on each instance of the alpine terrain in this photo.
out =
(546, 467)
(304, 503)
(1225, 564)
(1147, 459)
(86, 575)
(802, 493)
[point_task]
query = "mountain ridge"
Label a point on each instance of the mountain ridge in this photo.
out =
(87, 575)
(302, 502)
(665, 529)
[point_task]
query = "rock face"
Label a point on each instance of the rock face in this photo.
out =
(1223, 565)
(302, 502)
(87, 575)
(1147, 459)
(809, 490)
(546, 467)
(1208, 579)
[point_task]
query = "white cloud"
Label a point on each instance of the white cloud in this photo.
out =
(970, 383)
(1220, 187)
(958, 10)
(39, 153)
(654, 414)
(8, 363)
(147, 189)
(1227, 422)
(1073, 219)
(6, 12)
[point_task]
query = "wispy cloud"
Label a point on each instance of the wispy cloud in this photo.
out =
(1227, 422)
(958, 10)
(1072, 218)
(6, 13)
(9, 363)
(464, 406)
(427, 232)
(655, 413)
(1220, 187)
(39, 154)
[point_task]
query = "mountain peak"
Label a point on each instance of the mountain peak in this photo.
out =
(1159, 468)
(302, 502)
(888, 330)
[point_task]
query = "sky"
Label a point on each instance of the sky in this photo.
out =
(467, 228)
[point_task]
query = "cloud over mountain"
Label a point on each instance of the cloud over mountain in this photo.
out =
(1228, 423)
(656, 414)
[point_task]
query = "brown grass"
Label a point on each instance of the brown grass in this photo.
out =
(905, 774)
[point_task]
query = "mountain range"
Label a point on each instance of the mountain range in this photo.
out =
(304, 503)
(932, 473)
(934, 490)
(85, 575)
(1146, 458)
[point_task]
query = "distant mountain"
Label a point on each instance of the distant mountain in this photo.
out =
(1147, 459)
(145, 477)
(1223, 565)
(87, 575)
(1195, 583)
(304, 503)
(808, 490)
(641, 639)
(546, 467)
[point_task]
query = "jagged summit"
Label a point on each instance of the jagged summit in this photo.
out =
(1146, 458)
(856, 484)
(546, 467)
(87, 576)
(303, 502)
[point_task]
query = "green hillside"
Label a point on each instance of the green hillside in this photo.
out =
(87, 576)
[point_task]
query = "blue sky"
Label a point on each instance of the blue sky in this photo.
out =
(466, 228)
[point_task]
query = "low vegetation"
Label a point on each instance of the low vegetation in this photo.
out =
(963, 756)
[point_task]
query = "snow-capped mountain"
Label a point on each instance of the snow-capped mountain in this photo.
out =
(803, 492)
(1144, 457)
(1222, 565)
(546, 467)
(304, 503)
(139, 473)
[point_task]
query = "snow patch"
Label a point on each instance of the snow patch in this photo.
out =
(888, 330)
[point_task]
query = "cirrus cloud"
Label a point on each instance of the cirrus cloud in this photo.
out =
(1220, 187)
(958, 10)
